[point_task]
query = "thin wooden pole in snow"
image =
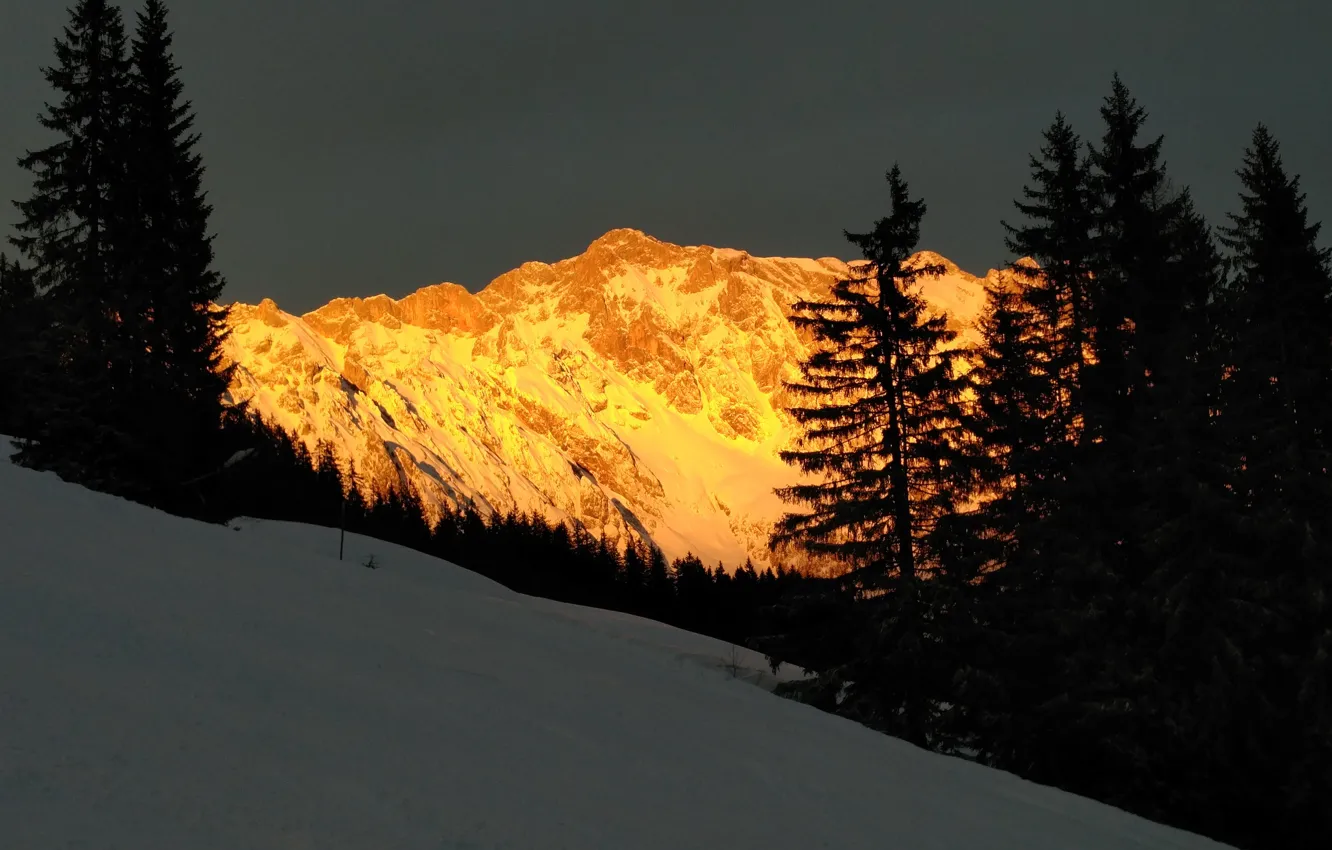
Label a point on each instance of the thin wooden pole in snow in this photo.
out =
(342, 527)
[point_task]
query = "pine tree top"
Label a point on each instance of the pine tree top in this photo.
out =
(1056, 203)
(894, 237)
(1130, 171)
(1272, 204)
(62, 227)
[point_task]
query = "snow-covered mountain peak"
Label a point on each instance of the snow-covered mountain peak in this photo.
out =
(636, 386)
(634, 246)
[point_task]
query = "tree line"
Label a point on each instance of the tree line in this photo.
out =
(1093, 550)
(283, 480)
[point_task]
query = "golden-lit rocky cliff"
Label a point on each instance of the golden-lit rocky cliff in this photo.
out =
(635, 388)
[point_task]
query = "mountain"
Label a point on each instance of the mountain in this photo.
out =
(635, 388)
(178, 684)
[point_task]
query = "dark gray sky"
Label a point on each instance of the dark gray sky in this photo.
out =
(357, 147)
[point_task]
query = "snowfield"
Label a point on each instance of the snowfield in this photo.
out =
(170, 684)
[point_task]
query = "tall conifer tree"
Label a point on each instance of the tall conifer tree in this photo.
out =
(178, 322)
(1134, 302)
(1014, 418)
(70, 228)
(1014, 435)
(1029, 424)
(881, 414)
(1280, 352)
(1057, 234)
(1276, 420)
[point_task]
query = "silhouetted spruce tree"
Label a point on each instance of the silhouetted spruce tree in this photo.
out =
(879, 402)
(1133, 303)
(1018, 430)
(1280, 307)
(1030, 423)
(173, 287)
(1277, 421)
(328, 480)
(1017, 421)
(1149, 319)
(744, 603)
(1083, 580)
(1057, 234)
(722, 586)
(560, 553)
(633, 577)
(1030, 426)
(658, 569)
(445, 537)
(355, 506)
(607, 563)
(69, 231)
(693, 590)
(660, 588)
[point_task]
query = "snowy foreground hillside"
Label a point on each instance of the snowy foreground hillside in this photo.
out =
(168, 684)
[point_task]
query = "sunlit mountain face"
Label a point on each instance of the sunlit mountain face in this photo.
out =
(636, 388)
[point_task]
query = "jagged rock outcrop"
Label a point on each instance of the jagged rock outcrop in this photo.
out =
(635, 388)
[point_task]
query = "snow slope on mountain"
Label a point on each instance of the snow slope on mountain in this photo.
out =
(637, 386)
(172, 684)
